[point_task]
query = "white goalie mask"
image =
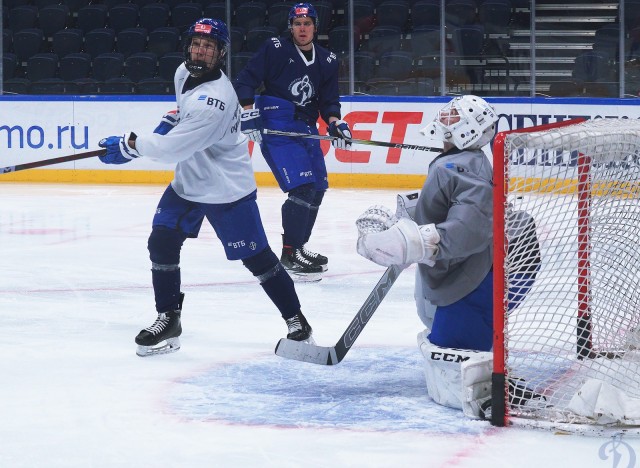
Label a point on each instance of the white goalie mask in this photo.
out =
(465, 122)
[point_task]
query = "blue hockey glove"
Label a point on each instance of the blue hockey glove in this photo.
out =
(251, 124)
(168, 121)
(341, 130)
(118, 149)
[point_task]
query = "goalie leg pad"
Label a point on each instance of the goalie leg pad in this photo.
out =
(456, 378)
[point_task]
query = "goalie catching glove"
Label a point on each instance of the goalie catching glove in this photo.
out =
(385, 240)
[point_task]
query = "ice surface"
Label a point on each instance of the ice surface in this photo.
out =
(75, 290)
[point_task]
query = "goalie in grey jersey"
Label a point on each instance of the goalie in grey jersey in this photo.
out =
(213, 179)
(448, 232)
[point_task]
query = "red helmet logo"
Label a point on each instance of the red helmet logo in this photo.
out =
(202, 28)
(302, 11)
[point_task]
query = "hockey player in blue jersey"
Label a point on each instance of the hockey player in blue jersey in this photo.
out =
(300, 82)
(213, 179)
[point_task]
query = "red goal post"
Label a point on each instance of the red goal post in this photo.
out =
(569, 341)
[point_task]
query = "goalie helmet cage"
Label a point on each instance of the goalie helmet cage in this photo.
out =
(566, 350)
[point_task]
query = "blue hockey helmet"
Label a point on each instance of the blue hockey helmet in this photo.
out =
(211, 29)
(300, 10)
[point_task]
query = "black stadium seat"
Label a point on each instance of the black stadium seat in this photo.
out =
(27, 42)
(184, 15)
(53, 18)
(257, 36)
(9, 65)
(91, 17)
(425, 12)
(140, 66)
(131, 41)
(123, 16)
(23, 17)
(384, 39)
(99, 41)
(75, 66)
(395, 65)
(41, 66)
(164, 40)
(153, 16)
(251, 15)
(279, 15)
(168, 63)
(67, 41)
(107, 66)
(392, 13)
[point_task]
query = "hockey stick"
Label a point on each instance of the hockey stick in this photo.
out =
(306, 352)
(354, 140)
(48, 162)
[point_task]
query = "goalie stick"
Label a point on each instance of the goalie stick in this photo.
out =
(330, 356)
(48, 162)
(354, 140)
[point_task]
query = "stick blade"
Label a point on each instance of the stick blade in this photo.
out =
(306, 352)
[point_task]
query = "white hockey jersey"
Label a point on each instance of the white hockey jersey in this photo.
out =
(212, 154)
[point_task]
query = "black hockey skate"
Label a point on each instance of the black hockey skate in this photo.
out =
(299, 328)
(300, 267)
(315, 258)
(163, 336)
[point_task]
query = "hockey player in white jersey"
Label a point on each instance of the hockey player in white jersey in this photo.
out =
(213, 179)
(448, 232)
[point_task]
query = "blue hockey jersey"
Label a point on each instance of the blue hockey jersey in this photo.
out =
(312, 85)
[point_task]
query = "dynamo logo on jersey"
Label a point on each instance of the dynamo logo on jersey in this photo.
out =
(302, 90)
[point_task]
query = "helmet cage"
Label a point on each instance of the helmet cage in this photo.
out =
(474, 128)
(210, 29)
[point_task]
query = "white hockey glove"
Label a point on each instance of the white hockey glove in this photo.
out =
(251, 124)
(376, 218)
(402, 244)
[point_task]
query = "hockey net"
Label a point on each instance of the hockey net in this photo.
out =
(567, 276)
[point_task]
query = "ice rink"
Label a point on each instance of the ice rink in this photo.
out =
(75, 289)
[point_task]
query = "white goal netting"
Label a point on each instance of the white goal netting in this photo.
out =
(570, 248)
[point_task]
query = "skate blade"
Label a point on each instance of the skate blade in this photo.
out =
(171, 346)
(306, 277)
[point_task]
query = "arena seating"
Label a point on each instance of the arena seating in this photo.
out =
(396, 42)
